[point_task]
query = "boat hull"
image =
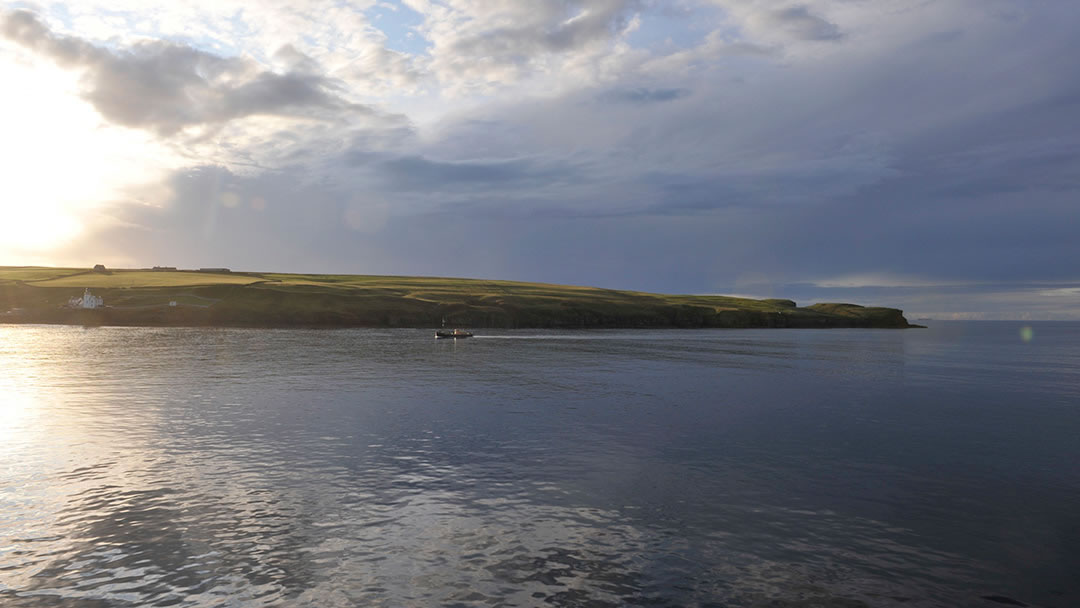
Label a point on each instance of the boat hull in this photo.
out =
(457, 333)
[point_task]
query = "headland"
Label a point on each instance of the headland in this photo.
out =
(218, 297)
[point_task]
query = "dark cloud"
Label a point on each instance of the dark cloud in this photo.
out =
(165, 87)
(599, 20)
(278, 221)
(425, 174)
(643, 95)
(801, 23)
(210, 216)
(24, 28)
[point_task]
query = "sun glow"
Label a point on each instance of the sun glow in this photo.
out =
(61, 161)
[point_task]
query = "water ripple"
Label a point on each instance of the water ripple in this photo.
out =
(293, 468)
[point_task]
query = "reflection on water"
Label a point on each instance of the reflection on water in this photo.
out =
(177, 467)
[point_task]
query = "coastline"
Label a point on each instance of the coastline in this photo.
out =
(877, 318)
(137, 298)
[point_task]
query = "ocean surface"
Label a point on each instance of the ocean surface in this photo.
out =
(251, 468)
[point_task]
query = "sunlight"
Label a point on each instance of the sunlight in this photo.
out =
(61, 162)
(16, 411)
(18, 389)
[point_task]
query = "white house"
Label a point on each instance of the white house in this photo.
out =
(88, 300)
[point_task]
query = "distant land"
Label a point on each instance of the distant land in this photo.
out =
(221, 298)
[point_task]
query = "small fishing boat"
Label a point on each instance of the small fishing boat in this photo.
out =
(452, 333)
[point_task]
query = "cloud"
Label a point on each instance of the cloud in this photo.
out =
(24, 28)
(547, 27)
(643, 95)
(480, 44)
(828, 146)
(419, 173)
(801, 23)
(166, 87)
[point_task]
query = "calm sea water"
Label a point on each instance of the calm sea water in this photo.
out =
(244, 468)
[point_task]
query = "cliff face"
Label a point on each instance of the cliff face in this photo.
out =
(417, 302)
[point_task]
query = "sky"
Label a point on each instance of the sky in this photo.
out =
(920, 154)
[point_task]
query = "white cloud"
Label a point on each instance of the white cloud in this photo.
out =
(878, 280)
(479, 46)
(1063, 292)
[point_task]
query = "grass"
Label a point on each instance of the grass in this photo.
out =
(278, 299)
(35, 273)
(123, 279)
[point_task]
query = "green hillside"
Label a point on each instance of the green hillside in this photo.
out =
(251, 299)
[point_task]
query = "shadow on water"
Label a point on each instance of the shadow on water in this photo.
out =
(160, 547)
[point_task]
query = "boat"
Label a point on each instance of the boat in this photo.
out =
(453, 333)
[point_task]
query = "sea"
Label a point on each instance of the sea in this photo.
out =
(370, 467)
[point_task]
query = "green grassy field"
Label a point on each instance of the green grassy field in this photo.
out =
(35, 273)
(131, 278)
(141, 297)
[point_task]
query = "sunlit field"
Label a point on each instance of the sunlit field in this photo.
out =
(127, 279)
